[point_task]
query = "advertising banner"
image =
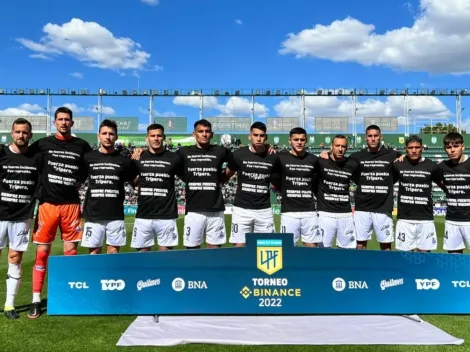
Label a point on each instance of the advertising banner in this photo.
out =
(270, 276)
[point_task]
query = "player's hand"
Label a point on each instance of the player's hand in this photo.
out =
(400, 158)
(324, 154)
(270, 149)
(137, 153)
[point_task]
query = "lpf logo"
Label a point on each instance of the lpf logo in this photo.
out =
(112, 285)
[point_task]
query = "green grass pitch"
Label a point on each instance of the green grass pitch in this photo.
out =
(102, 333)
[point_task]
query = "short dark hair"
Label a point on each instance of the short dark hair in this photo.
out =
(297, 130)
(339, 136)
(204, 123)
(110, 124)
(155, 126)
(63, 110)
(452, 138)
(414, 139)
(259, 126)
(22, 121)
(373, 127)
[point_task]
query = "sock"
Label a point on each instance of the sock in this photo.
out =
(13, 283)
(39, 274)
(71, 252)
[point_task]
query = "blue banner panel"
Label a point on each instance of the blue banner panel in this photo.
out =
(269, 276)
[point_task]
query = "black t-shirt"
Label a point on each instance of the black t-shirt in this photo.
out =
(157, 196)
(63, 168)
(202, 169)
(374, 180)
(334, 179)
(253, 178)
(415, 189)
(19, 179)
(107, 175)
(296, 174)
(456, 178)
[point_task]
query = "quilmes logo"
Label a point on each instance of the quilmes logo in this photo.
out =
(112, 285)
(269, 256)
(147, 283)
(427, 284)
(384, 284)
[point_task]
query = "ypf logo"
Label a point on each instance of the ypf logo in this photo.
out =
(426, 284)
(112, 285)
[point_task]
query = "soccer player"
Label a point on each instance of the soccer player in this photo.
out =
(19, 178)
(333, 200)
(252, 211)
(107, 172)
(59, 201)
(202, 173)
(296, 170)
(157, 209)
(374, 192)
(455, 174)
(415, 228)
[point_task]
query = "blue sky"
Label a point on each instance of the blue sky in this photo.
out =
(208, 44)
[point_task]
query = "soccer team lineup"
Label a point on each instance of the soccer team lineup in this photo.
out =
(40, 199)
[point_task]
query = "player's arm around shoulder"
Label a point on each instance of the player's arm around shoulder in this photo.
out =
(231, 167)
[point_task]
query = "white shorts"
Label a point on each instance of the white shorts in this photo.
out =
(210, 223)
(382, 224)
(340, 227)
(302, 225)
(456, 236)
(16, 233)
(250, 221)
(145, 231)
(95, 232)
(411, 235)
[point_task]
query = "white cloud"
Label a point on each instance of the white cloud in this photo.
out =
(234, 107)
(437, 42)
(40, 56)
(238, 21)
(72, 106)
(145, 111)
(90, 43)
(31, 107)
(21, 111)
(151, 2)
(422, 108)
(77, 75)
(107, 110)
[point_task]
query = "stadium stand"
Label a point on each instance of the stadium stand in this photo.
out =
(433, 153)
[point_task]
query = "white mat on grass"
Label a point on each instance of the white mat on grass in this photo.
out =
(284, 330)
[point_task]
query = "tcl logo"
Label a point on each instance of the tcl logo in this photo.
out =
(112, 285)
(78, 285)
(426, 284)
(462, 284)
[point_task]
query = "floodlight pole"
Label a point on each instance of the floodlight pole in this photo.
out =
(458, 109)
(49, 113)
(354, 116)
(151, 109)
(252, 108)
(100, 108)
(201, 106)
(303, 109)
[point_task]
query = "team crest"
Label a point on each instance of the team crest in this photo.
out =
(401, 140)
(276, 140)
(327, 139)
(269, 256)
(358, 139)
(312, 139)
(434, 140)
